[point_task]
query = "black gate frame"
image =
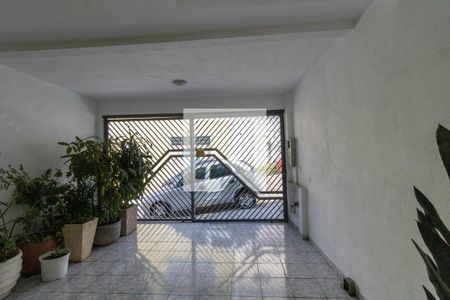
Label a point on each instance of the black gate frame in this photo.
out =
(279, 113)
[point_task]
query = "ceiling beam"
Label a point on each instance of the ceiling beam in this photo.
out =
(311, 30)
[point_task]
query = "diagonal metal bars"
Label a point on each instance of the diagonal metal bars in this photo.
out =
(240, 177)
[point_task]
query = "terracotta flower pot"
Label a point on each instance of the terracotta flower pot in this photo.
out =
(32, 251)
(129, 220)
(79, 239)
(107, 234)
(9, 274)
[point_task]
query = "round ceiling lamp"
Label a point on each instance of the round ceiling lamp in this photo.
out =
(179, 82)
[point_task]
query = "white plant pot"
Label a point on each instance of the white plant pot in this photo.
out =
(9, 274)
(52, 269)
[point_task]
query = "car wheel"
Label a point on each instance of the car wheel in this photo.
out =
(245, 199)
(160, 210)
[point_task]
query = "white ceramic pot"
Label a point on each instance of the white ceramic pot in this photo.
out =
(9, 274)
(52, 269)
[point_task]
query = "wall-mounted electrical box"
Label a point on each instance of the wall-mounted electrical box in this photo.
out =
(292, 152)
(298, 208)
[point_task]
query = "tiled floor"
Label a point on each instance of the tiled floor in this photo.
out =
(196, 261)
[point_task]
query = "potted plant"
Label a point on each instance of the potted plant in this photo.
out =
(10, 255)
(80, 223)
(108, 204)
(134, 165)
(91, 164)
(54, 264)
(42, 202)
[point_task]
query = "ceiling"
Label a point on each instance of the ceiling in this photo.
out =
(112, 48)
(235, 66)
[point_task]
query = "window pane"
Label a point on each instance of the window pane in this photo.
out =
(218, 171)
(200, 173)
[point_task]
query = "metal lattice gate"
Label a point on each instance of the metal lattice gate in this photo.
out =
(239, 174)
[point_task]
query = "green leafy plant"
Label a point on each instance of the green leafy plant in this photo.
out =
(133, 162)
(59, 252)
(8, 247)
(42, 201)
(79, 203)
(92, 167)
(434, 232)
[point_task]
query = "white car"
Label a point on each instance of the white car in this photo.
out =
(219, 184)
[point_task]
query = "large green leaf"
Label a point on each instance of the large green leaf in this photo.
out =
(428, 293)
(442, 289)
(439, 249)
(422, 218)
(432, 214)
(443, 141)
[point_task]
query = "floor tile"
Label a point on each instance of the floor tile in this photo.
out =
(271, 270)
(80, 283)
(213, 286)
(209, 297)
(269, 257)
(245, 286)
(248, 257)
(302, 257)
(309, 271)
(26, 284)
(222, 256)
(183, 297)
(245, 270)
(305, 288)
(332, 288)
(276, 287)
(52, 286)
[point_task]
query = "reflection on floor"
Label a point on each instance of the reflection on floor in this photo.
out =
(196, 261)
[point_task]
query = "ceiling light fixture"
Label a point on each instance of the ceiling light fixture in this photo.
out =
(179, 82)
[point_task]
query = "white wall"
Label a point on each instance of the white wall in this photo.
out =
(176, 105)
(365, 119)
(34, 116)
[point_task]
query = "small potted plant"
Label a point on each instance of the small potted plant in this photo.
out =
(134, 165)
(91, 164)
(54, 264)
(41, 201)
(10, 255)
